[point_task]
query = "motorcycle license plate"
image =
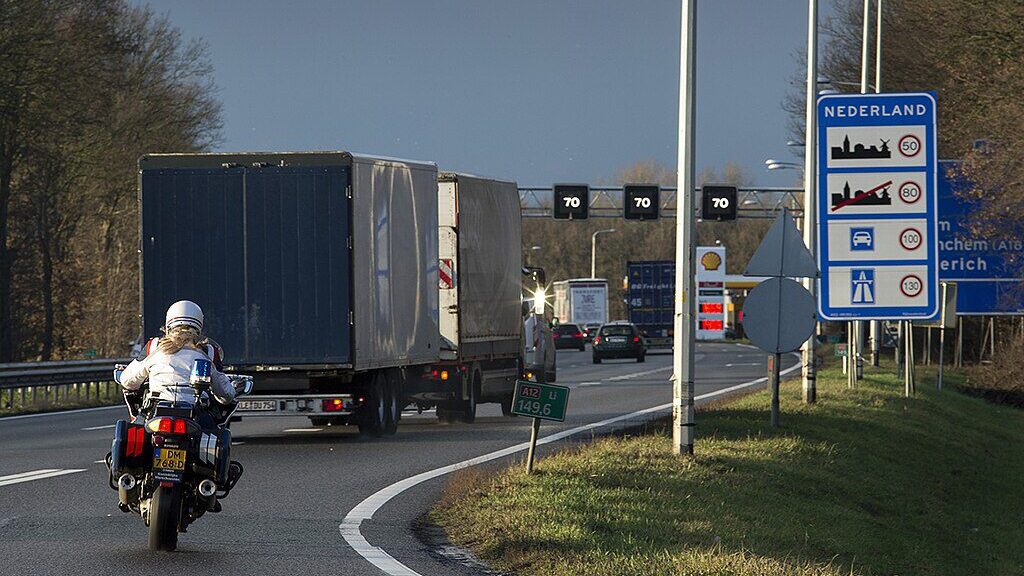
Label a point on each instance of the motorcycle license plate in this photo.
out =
(168, 459)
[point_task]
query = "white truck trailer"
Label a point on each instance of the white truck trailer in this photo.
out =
(581, 301)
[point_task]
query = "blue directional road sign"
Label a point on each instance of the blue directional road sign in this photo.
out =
(877, 225)
(987, 283)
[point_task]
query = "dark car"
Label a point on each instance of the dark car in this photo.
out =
(619, 340)
(590, 330)
(569, 336)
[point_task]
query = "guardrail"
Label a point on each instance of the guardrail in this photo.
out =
(30, 385)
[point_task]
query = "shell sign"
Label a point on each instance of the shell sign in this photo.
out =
(711, 261)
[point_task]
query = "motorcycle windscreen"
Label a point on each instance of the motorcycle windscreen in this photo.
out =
(264, 252)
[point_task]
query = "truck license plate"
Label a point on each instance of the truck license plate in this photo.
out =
(257, 405)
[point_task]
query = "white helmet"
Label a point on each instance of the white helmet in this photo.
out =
(184, 313)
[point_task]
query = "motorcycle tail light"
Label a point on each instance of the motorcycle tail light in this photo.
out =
(636, 338)
(180, 427)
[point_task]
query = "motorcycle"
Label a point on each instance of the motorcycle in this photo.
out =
(170, 463)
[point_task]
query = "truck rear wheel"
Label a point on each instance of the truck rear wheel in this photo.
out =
(393, 398)
(372, 413)
(468, 414)
(506, 405)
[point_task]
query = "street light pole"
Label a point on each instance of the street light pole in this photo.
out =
(684, 347)
(593, 251)
(876, 325)
(809, 375)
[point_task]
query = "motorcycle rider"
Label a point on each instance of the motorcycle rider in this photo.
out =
(168, 363)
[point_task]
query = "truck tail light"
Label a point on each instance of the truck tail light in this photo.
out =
(333, 405)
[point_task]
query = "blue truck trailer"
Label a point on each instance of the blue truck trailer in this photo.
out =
(650, 287)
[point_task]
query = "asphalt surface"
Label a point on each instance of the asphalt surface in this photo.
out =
(283, 516)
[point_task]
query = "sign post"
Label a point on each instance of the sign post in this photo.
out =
(539, 401)
(877, 210)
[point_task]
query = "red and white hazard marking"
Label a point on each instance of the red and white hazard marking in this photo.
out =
(445, 274)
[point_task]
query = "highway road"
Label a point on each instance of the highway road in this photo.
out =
(57, 515)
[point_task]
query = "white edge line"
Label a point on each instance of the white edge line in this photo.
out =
(103, 427)
(350, 525)
(61, 412)
(41, 475)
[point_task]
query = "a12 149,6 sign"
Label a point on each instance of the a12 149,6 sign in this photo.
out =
(540, 400)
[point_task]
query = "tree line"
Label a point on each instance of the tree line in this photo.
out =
(86, 87)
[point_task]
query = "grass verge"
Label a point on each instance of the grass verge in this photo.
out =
(865, 482)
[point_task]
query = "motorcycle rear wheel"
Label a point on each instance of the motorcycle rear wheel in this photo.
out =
(164, 516)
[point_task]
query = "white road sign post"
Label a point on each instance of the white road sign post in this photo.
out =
(684, 347)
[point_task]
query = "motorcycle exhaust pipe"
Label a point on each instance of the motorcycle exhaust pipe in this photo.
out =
(126, 482)
(207, 488)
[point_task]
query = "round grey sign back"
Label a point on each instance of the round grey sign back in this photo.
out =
(779, 315)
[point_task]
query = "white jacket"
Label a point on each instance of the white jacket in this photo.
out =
(168, 376)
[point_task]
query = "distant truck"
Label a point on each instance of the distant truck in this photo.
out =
(650, 288)
(581, 301)
(480, 281)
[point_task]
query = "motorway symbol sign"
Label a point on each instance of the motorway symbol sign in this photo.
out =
(877, 207)
(540, 400)
(863, 281)
(571, 201)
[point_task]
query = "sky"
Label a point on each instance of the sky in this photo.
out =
(539, 91)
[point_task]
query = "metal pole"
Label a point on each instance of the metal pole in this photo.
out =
(928, 346)
(773, 378)
(809, 375)
(992, 338)
(593, 255)
(856, 359)
(593, 251)
(876, 334)
(684, 347)
(958, 354)
(851, 357)
(878, 49)
(900, 346)
(865, 33)
(942, 332)
(534, 432)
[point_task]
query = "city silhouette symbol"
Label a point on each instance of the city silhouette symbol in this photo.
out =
(859, 151)
(877, 196)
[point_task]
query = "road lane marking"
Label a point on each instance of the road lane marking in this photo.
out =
(350, 526)
(104, 427)
(302, 430)
(585, 384)
(744, 364)
(639, 374)
(36, 475)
